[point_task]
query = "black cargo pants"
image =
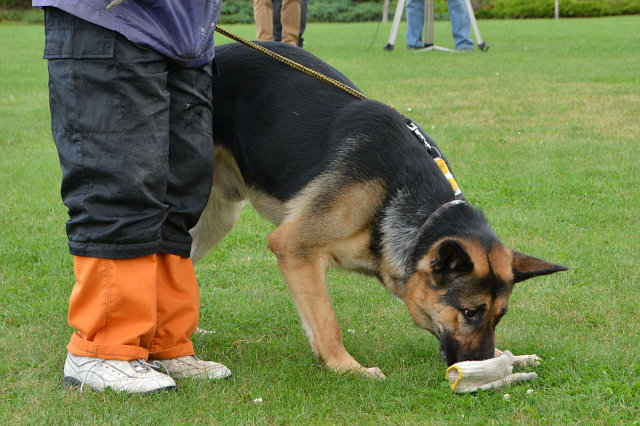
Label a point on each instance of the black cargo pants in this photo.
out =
(134, 136)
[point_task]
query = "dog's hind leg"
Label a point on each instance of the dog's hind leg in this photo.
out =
(216, 221)
(225, 203)
(304, 269)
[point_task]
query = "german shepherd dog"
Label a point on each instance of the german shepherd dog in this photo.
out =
(347, 184)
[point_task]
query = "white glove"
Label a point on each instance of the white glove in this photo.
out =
(469, 376)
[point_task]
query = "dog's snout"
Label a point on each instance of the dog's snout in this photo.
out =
(453, 351)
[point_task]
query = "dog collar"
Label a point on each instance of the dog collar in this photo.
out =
(437, 157)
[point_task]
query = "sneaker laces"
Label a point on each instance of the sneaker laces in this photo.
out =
(139, 365)
(158, 365)
(86, 376)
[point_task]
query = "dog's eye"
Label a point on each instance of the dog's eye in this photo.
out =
(470, 313)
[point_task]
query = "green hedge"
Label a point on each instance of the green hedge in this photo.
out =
(15, 4)
(516, 9)
(371, 10)
(343, 11)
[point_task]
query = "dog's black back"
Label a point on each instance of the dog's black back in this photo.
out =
(319, 121)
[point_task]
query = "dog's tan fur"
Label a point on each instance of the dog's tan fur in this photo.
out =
(307, 242)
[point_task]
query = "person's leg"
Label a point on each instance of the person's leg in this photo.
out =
(277, 25)
(290, 19)
(190, 177)
(263, 15)
(460, 24)
(415, 23)
(113, 307)
(109, 115)
(189, 184)
(190, 155)
(113, 151)
(178, 311)
(303, 21)
(178, 306)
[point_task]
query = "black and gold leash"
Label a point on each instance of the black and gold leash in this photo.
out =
(293, 64)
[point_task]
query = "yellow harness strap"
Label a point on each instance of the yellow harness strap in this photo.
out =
(445, 171)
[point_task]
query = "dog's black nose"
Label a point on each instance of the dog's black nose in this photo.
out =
(447, 357)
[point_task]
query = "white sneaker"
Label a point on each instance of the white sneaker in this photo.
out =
(193, 367)
(134, 376)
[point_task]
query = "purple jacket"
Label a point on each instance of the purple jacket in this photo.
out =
(181, 30)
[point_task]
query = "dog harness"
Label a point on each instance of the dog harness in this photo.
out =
(413, 127)
(437, 157)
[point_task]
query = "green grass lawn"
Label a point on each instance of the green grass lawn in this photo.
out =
(543, 134)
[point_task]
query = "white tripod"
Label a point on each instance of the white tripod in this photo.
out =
(428, 27)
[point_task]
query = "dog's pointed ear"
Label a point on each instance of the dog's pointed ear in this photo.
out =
(525, 267)
(451, 256)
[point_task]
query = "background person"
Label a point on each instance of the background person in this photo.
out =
(290, 13)
(460, 24)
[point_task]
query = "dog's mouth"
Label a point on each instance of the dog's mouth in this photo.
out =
(451, 353)
(443, 354)
(447, 347)
(447, 356)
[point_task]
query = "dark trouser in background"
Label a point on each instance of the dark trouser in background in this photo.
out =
(277, 24)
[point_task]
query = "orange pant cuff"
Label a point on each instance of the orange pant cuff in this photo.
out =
(81, 347)
(184, 349)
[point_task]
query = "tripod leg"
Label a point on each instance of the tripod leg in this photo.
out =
(394, 27)
(428, 25)
(472, 17)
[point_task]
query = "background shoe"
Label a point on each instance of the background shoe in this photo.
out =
(193, 367)
(136, 376)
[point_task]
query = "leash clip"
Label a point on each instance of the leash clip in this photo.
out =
(433, 151)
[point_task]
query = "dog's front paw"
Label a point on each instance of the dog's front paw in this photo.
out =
(374, 373)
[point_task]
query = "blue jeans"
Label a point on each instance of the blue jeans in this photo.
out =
(460, 23)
